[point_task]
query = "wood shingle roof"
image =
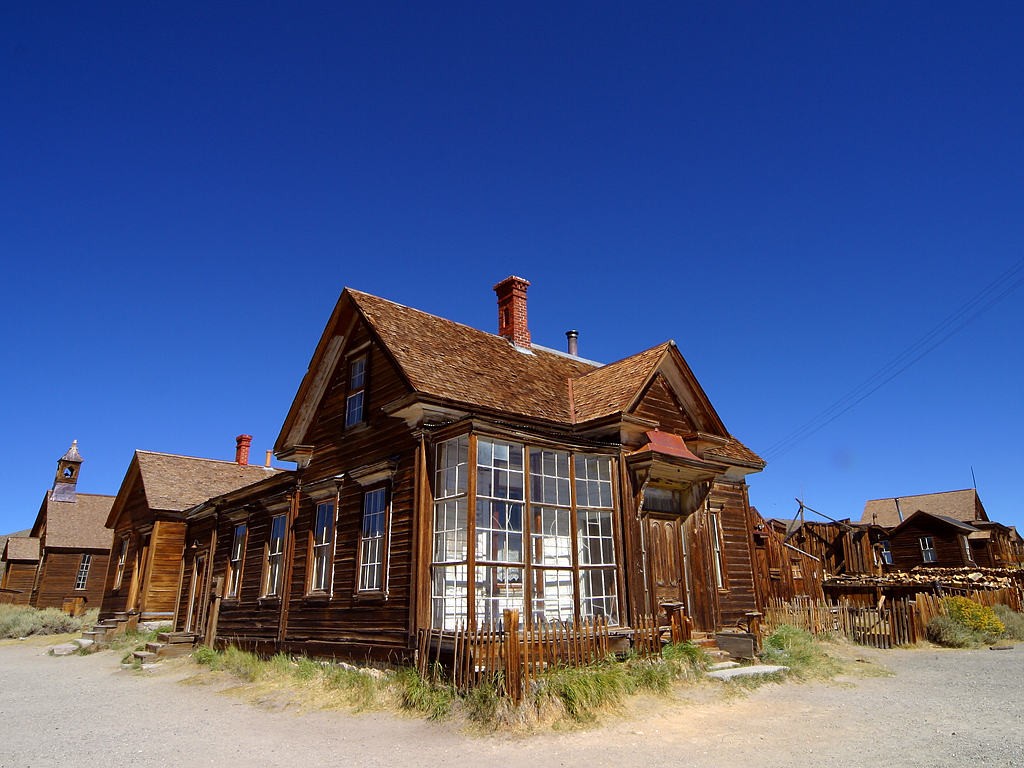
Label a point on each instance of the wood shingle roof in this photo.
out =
(21, 548)
(176, 483)
(78, 524)
(963, 505)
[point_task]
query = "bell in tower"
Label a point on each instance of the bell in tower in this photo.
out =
(65, 483)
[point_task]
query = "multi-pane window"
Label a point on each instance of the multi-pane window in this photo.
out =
(500, 493)
(448, 595)
(551, 539)
(598, 595)
(887, 552)
(83, 571)
(716, 550)
(275, 555)
(356, 400)
(371, 554)
(323, 538)
(237, 556)
(928, 553)
(122, 557)
(540, 539)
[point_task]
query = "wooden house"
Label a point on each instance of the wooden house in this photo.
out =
(959, 531)
(446, 474)
(74, 544)
(21, 561)
(143, 577)
(844, 548)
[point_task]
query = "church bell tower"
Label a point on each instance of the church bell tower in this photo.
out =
(65, 483)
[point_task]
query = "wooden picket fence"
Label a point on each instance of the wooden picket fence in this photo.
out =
(510, 660)
(889, 624)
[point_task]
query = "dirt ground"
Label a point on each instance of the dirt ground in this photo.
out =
(937, 708)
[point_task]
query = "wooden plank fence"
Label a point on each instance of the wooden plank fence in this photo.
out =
(889, 624)
(510, 660)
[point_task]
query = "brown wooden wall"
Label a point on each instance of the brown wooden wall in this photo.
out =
(659, 404)
(843, 550)
(22, 577)
(57, 576)
(136, 515)
(343, 623)
(906, 547)
(782, 572)
(159, 594)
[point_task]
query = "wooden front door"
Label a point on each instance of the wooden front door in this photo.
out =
(666, 559)
(197, 598)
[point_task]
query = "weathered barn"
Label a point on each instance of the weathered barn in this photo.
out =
(21, 560)
(73, 543)
(143, 577)
(446, 474)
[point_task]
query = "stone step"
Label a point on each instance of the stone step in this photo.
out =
(64, 649)
(754, 670)
(83, 642)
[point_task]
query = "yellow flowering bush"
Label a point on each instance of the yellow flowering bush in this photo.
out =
(975, 616)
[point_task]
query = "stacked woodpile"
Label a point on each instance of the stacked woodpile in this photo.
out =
(952, 578)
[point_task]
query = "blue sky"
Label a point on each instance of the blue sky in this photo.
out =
(795, 194)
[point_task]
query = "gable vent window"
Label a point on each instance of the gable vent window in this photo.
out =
(355, 403)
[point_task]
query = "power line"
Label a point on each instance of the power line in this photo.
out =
(988, 297)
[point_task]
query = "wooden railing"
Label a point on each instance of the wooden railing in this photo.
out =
(510, 660)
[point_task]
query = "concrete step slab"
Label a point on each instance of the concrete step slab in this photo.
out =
(83, 642)
(64, 649)
(754, 670)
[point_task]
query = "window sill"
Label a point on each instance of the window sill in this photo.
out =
(269, 600)
(361, 426)
(370, 597)
(317, 597)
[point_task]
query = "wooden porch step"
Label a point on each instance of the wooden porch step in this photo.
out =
(175, 638)
(145, 657)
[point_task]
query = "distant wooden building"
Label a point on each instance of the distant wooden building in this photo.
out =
(143, 577)
(844, 548)
(74, 544)
(21, 560)
(446, 474)
(947, 529)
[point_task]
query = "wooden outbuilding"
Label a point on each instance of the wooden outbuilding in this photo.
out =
(446, 474)
(74, 543)
(21, 561)
(143, 578)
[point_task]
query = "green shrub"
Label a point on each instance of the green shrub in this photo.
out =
(24, 621)
(1013, 621)
(975, 616)
(944, 630)
(797, 649)
(206, 656)
(429, 697)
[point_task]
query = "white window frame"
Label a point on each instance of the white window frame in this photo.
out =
(373, 555)
(355, 400)
(886, 551)
(967, 547)
(716, 549)
(236, 560)
(321, 548)
(928, 553)
(275, 556)
(82, 578)
(122, 559)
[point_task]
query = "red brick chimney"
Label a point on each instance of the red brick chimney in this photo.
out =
(242, 443)
(512, 310)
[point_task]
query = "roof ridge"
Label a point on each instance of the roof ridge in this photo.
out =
(201, 458)
(917, 495)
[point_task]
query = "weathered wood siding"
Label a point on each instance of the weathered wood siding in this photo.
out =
(781, 571)
(22, 577)
(136, 513)
(906, 545)
(842, 549)
(58, 574)
(159, 595)
(659, 404)
(737, 597)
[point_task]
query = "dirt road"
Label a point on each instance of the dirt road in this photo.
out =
(938, 709)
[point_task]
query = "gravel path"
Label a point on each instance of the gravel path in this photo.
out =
(938, 709)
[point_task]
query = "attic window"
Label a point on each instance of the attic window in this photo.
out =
(354, 403)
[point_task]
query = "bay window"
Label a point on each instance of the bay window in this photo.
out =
(540, 541)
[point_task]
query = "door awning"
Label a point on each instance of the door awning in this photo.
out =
(666, 459)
